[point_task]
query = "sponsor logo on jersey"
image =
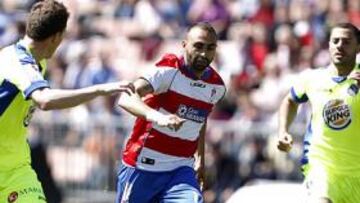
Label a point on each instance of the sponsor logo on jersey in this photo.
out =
(190, 113)
(337, 114)
(30, 190)
(146, 160)
(12, 197)
(213, 93)
(42, 198)
(197, 84)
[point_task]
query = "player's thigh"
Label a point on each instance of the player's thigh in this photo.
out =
(23, 187)
(138, 186)
(182, 193)
(183, 188)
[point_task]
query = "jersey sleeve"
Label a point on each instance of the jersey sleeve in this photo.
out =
(28, 78)
(218, 93)
(299, 88)
(160, 78)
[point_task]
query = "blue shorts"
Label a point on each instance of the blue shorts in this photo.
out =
(177, 186)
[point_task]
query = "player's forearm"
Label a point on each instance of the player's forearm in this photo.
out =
(287, 113)
(49, 99)
(135, 106)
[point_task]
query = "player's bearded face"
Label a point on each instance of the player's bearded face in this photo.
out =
(200, 49)
(199, 62)
(343, 46)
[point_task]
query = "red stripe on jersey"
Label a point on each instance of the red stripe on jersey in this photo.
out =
(169, 60)
(141, 127)
(170, 145)
(171, 100)
(136, 142)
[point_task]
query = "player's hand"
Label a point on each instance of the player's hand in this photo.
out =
(355, 75)
(285, 142)
(171, 121)
(175, 122)
(116, 87)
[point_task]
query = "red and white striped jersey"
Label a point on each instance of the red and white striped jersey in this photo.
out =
(176, 91)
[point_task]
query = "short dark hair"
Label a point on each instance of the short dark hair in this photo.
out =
(204, 26)
(351, 27)
(46, 18)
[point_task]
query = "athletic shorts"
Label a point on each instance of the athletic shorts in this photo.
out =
(177, 186)
(21, 186)
(338, 188)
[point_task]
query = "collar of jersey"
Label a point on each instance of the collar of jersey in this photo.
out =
(340, 79)
(22, 46)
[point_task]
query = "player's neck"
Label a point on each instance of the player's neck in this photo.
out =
(37, 49)
(344, 70)
(197, 73)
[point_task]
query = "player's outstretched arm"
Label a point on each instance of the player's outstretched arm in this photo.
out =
(133, 104)
(287, 113)
(48, 99)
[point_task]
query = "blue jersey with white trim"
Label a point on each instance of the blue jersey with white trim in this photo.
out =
(20, 75)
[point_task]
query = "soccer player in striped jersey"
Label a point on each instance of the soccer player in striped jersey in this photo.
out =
(23, 88)
(332, 167)
(180, 92)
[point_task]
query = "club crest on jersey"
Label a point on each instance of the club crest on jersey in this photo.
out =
(190, 113)
(337, 114)
(13, 197)
(213, 93)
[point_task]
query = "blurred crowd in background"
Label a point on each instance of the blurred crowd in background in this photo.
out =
(263, 45)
